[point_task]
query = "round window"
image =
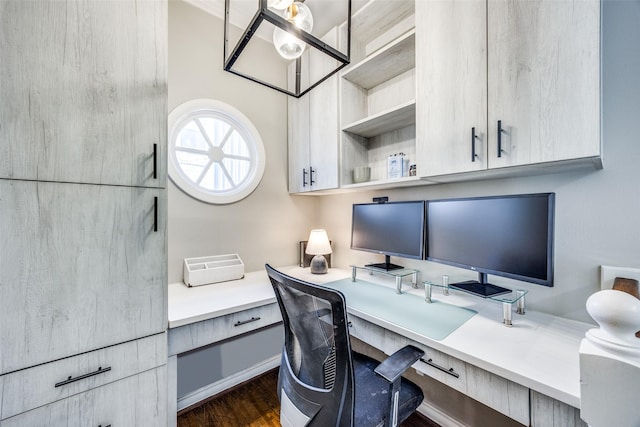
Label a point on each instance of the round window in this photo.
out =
(215, 153)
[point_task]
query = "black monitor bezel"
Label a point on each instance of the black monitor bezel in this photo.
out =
(423, 237)
(547, 281)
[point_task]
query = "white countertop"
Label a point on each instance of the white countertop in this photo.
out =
(540, 351)
(189, 305)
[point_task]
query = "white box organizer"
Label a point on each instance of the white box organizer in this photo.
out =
(212, 269)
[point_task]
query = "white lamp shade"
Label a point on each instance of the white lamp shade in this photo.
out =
(318, 243)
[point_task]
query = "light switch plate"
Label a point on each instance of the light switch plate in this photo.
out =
(608, 274)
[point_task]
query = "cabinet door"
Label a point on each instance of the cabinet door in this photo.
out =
(138, 400)
(323, 120)
(298, 133)
(81, 268)
(83, 91)
(451, 86)
(298, 139)
(543, 68)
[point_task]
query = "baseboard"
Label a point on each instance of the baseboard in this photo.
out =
(227, 382)
(437, 415)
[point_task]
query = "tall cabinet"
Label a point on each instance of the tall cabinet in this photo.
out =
(83, 285)
(505, 83)
(313, 127)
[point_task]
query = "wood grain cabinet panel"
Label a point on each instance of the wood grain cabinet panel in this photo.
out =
(504, 396)
(548, 412)
(313, 127)
(34, 387)
(132, 401)
(451, 85)
(533, 66)
(194, 335)
(81, 268)
(544, 80)
(84, 91)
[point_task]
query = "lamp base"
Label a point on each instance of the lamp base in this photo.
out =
(318, 265)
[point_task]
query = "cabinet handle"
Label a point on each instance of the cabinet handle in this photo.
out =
(155, 161)
(108, 425)
(311, 171)
(474, 156)
(449, 371)
(304, 177)
(155, 213)
(244, 322)
(82, 377)
(500, 138)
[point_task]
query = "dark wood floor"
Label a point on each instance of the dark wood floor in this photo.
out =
(253, 404)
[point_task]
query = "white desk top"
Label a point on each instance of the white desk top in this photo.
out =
(190, 305)
(540, 351)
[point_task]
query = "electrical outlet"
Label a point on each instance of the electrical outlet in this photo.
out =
(608, 274)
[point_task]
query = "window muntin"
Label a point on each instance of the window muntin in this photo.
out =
(215, 153)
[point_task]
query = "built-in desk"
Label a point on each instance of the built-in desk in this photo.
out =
(528, 371)
(204, 315)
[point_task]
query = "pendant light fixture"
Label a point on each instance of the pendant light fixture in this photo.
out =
(290, 46)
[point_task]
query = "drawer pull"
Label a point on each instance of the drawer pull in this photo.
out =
(82, 377)
(449, 371)
(244, 322)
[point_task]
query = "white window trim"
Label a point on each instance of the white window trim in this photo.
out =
(181, 115)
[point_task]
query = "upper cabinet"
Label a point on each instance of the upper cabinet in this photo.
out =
(82, 102)
(507, 83)
(378, 92)
(313, 128)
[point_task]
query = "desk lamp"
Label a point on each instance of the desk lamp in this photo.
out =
(318, 245)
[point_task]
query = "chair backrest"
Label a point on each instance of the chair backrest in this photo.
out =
(315, 384)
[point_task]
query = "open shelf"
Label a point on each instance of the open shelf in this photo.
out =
(388, 62)
(378, 17)
(386, 121)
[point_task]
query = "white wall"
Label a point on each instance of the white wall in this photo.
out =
(266, 226)
(596, 211)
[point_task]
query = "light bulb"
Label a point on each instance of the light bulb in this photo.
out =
(287, 45)
(299, 14)
(279, 4)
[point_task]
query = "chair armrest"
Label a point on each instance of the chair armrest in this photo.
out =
(394, 366)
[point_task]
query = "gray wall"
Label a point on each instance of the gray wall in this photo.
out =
(596, 211)
(266, 226)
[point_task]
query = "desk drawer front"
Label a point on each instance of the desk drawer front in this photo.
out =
(366, 332)
(43, 384)
(195, 335)
(442, 367)
(138, 400)
(504, 396)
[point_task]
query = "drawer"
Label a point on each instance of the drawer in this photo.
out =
(205, 332)
(49, 382)
(366, 332)
(506, 397)
(442, 367)
(137, 400)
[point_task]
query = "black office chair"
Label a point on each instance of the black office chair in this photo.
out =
(321, 381)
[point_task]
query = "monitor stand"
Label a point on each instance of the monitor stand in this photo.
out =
(480, 287)
(386, 265)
